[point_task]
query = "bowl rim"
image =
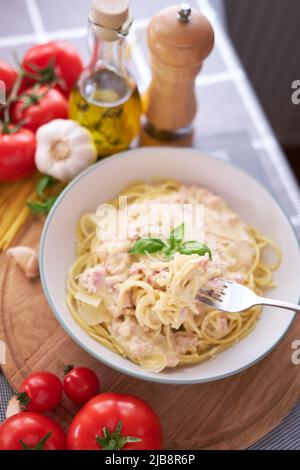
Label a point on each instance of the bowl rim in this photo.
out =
(140, 374)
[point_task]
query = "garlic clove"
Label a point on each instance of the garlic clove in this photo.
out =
(13, 407)
(26, 258)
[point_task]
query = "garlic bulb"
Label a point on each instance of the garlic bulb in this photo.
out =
(64, 149)
(26, 258)
(13, 407)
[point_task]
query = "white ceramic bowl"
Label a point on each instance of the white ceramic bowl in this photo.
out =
(251, 201)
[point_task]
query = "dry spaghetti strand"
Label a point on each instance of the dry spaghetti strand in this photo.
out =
(13, 210)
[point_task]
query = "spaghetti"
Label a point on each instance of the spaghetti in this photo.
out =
(13, 210)
(143, 306)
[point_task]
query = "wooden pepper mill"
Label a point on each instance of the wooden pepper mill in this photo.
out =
(179, 39)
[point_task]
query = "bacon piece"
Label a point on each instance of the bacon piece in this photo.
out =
(184, 342)
(92, 278)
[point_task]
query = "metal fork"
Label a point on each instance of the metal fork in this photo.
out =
(233, 297)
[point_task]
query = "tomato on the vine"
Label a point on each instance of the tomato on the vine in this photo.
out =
(40, 392)
(31, 431)
(8, 75)
(112, 421)
(54, 62)
(17, 149)
(39, 105)
(80, 384)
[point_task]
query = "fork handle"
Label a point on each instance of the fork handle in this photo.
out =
(278, 303)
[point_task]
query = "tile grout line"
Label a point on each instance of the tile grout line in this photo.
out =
(71, 33)
(221, 153)
(255, 112)
(261, 142)
(36, 21)
(295, 219)
(219, 77)
(11, 41)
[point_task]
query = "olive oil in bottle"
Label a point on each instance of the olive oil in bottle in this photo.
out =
(106, 100)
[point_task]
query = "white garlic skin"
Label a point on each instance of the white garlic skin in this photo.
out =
(26, 258)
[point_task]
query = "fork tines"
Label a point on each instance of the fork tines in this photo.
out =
(211, 293)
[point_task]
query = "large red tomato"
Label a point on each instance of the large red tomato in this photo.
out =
(112, 421)
(51, 61)
(8, 75)
(80, 384)
(17, 151)
(40, 391)
(39, 106)
(31, 431)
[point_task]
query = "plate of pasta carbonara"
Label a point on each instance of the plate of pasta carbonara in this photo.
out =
(131, 241)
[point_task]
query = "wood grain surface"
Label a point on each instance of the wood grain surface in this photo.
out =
(228, 414)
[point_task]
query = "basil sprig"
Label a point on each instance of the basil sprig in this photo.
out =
(44, 202)
(148, 245)
(174, 244)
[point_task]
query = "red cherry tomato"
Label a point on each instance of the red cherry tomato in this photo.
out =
(31, 431)
(54, 60)
(39, 106)
(40, 392)
(8, 75)
(17, 151)
(81, 384)
(112, 421)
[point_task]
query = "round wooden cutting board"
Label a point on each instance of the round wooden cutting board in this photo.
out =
(228, 414)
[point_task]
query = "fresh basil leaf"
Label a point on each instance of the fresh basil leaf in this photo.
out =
(147, 245)
(169, 252)
(176, 236)
(42, 207)
(194, 247)
(37, 207)
(44, 183)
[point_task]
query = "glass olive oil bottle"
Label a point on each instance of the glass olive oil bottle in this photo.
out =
(106, 100)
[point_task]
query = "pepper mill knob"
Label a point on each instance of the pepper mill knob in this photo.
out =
(184, 13)
(179, 40)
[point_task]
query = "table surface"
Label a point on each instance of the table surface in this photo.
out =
(230, 123)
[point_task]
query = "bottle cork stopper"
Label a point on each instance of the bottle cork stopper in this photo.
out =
(110, 14)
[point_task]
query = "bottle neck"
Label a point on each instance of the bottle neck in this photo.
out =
(106, 54)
